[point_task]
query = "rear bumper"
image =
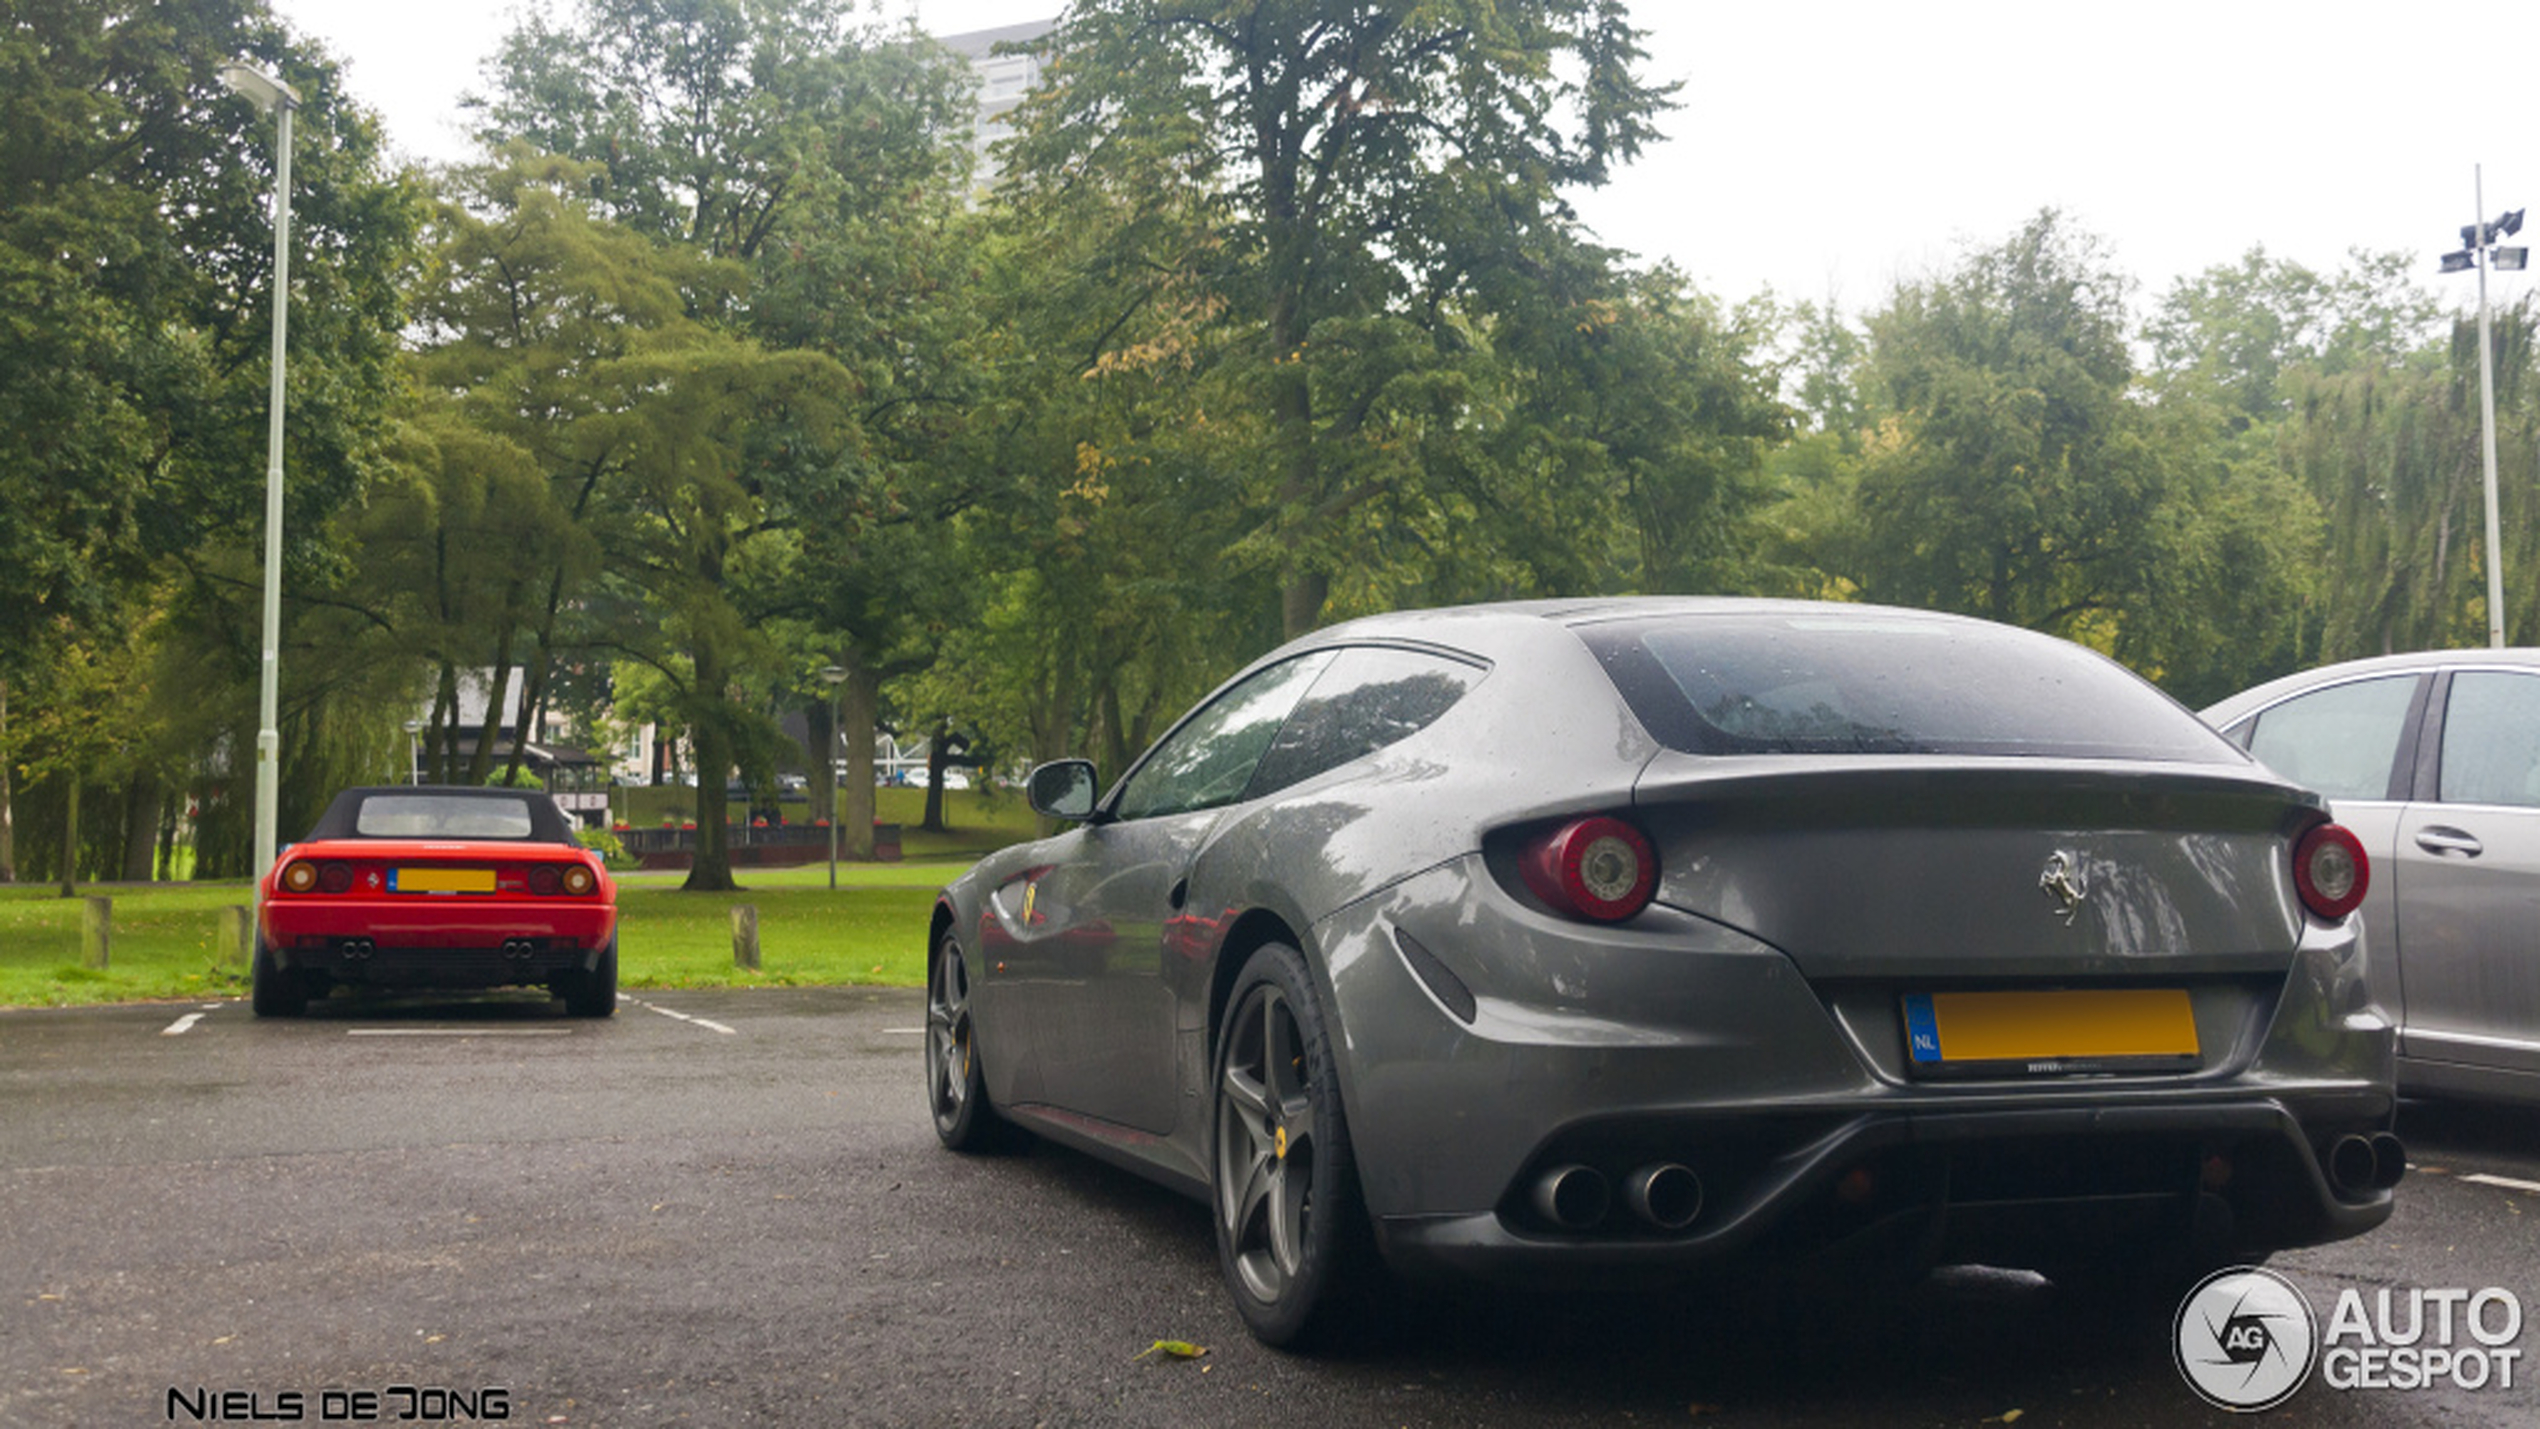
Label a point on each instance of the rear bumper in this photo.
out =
(1679, 1042)
(429, 941)
(2039, 1188)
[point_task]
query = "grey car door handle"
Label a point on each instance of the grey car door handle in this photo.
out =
(2446, 841)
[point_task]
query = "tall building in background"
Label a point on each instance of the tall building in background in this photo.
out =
(1003, 81)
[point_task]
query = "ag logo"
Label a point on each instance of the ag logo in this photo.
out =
(2245, 1339)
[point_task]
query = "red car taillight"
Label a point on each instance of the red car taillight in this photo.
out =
(306, 877)
(544, 880)
(2330, 871)
(579, 880)
(1600, 868)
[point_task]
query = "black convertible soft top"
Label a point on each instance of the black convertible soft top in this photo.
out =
(445, 811)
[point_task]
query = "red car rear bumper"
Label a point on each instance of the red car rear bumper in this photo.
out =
(434, 921)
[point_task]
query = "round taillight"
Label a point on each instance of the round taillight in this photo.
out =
(579, 880)
(1600, 868)
(543, 879)
(334, 877)
(300, 877)
(2330, 871)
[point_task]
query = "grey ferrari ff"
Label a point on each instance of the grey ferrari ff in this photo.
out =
(1619, 942)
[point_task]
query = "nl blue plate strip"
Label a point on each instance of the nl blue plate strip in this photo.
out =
(1922, 1028)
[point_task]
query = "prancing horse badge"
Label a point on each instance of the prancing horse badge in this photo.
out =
(2064, 882)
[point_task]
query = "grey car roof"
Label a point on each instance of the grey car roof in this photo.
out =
(1589, 610)
(2258, 697)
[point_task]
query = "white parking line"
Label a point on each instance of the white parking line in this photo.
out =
(181, 1026)
(459, 1032)
(2507, 1182)
(903, 1031)
(681, 1016)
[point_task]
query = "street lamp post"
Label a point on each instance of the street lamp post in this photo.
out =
(414, 756)
(832, 675)
(2479, 250)
(272, 96)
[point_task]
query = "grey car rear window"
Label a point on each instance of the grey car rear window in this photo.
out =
(1887, 683)
(423, 816)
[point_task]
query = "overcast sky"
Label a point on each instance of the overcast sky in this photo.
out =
(1826, 150)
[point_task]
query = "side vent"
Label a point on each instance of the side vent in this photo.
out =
(1441, 981)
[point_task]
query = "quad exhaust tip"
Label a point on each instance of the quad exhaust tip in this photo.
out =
(1664, 1195)
(1573, 1197)
(2357, 1164)
(2389, 1161)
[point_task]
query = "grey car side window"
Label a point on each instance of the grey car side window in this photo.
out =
(1210, 758)
(2491, 740)
(2341, 741)
(1371, 697)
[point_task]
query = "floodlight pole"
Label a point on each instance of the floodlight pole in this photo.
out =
(272, 96)
(2487, 428)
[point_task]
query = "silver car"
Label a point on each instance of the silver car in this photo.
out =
(2433, 759)
(1622, 941)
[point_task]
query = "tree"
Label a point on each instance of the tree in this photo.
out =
(2013, 472)
(812, 165)
(2012, 480)
(2390, 454)
(1363, 174)
(2232, 333)
(135, 293)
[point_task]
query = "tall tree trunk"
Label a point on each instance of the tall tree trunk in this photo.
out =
(445, 725)
(171, 813)
(533, 709)
(712, 871)
(8, 828)
(938, 750)
(860, 709)
(140, 828)
(497, 694)
(70, 833)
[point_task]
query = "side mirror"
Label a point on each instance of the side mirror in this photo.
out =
(1062, 789)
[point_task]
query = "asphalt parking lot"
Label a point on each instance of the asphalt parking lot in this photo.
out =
(727, 1208)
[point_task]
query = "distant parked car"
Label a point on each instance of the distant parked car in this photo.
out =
(2433, 759)
(432, 887)
(1609, 942)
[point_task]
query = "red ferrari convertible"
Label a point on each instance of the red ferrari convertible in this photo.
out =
(437, 888)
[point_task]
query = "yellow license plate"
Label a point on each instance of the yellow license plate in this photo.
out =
(1945, 1028)
(441, 880)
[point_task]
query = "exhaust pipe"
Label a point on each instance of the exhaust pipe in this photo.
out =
(1664, 1195)
(2352, 1165)
(2389, 1161)
(1573, 1197)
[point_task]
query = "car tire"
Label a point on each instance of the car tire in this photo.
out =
(593, 992)
(1292, 1235)
(956, 1092)
(273, 991)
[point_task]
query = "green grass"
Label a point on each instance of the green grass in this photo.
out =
(163, 945)
(871, 930)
